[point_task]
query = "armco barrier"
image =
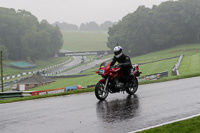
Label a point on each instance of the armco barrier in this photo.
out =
(89, 86)
(27, 93)
(39, 92)
(70, 88)
(154, 76)
(34, 93)
(57, 90)
(54, 91)
(15, 94)
(176, 66)
(73, 88)
(79, 87)
(10, 94)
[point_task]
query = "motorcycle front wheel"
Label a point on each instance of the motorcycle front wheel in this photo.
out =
(100, 91)
(132, 87)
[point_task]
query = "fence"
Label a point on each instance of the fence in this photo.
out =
(176, 66)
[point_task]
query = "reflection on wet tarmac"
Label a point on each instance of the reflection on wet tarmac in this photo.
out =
(118, 110)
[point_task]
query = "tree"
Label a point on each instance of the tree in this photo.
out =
(66, 26)
(22, 36)
(146, 30)
(106, 25)
(5, 52)
(91, 26)
(82, 26)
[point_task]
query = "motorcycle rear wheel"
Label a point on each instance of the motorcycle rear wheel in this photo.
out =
(132, 88)
(100, 91)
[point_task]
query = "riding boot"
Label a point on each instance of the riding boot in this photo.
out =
(131, 76)
(132, 79)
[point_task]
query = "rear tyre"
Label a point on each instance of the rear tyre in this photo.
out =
(132, 87)
(100, 91)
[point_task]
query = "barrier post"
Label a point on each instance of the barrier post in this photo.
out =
(1, 70)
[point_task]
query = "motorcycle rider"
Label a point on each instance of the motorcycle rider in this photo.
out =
(124, 62)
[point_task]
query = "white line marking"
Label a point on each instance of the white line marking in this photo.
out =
(189, 117)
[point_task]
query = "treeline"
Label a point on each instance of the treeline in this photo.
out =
(150, 29)
(23, 37)
(90, 26)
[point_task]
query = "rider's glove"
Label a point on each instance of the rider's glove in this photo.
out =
(118, 65)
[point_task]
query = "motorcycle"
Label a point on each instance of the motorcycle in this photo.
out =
(114, 81)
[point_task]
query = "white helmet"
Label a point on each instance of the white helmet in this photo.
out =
(118, 51)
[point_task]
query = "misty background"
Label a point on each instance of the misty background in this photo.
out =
(76, 11)
(23, 36)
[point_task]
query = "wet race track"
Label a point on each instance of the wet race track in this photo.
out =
(153, 104)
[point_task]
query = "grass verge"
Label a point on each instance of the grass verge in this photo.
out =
(186, 126)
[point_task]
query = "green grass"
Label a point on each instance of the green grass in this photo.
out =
(40, 64)
(190, 65)
(84, 41)
(186, 126)
(156, 67)
(64, 82)
(166, 53)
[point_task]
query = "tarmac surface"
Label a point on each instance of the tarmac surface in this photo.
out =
(78, 69)
(76, 60)
(152, 104)
(81, 68)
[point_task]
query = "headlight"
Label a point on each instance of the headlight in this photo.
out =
(101, 72)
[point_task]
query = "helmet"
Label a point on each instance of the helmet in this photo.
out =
(118, 51)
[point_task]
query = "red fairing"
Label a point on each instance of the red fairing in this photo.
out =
(114, 72)
(136, 68)
(102, 80)
(105, 72)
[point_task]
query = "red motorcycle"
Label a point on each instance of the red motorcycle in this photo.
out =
(114, 81)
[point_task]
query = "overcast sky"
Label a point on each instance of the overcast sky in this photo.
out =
(79, 11)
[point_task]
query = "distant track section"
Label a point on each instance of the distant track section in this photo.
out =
(84, 53)
(159, 60)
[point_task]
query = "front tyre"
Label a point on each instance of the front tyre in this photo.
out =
(132, 87)
(100, 91)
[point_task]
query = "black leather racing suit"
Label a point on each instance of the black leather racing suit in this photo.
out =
(125, 63)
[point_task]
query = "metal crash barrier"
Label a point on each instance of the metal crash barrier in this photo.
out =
(13, 94)
(154, 76)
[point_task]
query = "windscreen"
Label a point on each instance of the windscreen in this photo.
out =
(104, 64)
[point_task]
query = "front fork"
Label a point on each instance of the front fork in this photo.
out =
(106, 83)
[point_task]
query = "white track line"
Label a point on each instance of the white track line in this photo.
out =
(189, 117)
